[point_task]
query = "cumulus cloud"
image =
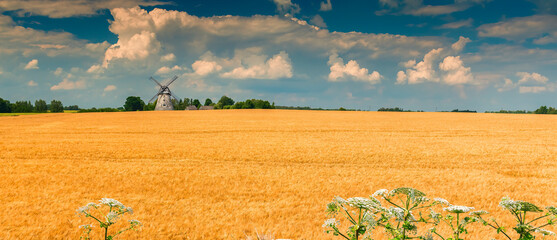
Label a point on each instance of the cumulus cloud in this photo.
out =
(64, 9)
(417, 8)
(318, 21)
(109, 88)
(460, 44)
(32, 83)
(422, 71)
(541, 28)
(456, 72)
(168, 57)
(287, 7)
(278, 66)
(142, 33)
(202, 67)
(165, 70)
(531, 78)
(457, 24)
(58, 71)
(95, 69)
(529, 83)
(33, 64)
(350, 70)
(28, 41)
(326, 6)
(66, 84)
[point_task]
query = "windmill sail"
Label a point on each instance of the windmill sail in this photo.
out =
(164, 95)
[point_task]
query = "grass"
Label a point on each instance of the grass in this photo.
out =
(31, 113)
(222, 174)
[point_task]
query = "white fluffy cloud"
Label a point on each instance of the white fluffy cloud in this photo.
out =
(421, 72)
(109, 88)
(529, 83)
(66, 84)
(540, 27)
(202, 67)
(350, 70)
(326, 6)
(33, 64)
(168, 57)
(287, 7)
(318, 21)
(141, 34)
(165, 69)
(455, 71)
(64, 8)
(249, 63)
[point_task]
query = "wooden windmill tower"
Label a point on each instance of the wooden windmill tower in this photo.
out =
(164, 95)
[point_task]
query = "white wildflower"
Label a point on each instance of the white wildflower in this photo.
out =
(398, 213)
(458, 209)
(509, 204)
(381, 192)
(112, 202)
(134, 222)
(421, 199)
(129, 210)
(86, 226)
(330, 223)
(441, 201)
(339, 200)
(545, 232)
(112, 217)
(369, 218)
(360, 202)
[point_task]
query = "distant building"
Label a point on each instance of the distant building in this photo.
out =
(206, 108)
(191, 107)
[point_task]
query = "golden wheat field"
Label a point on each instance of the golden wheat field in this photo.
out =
(224, 174)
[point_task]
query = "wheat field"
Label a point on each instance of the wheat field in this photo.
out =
(224, 174)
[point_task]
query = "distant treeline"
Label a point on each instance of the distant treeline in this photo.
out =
(541, 110)
(26, 106)
(395, 109)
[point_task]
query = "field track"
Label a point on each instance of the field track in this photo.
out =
(222, 174)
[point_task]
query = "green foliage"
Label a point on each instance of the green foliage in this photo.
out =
(98, 110)
(545, 110)
(208, 102)
(5, 106)
(56, 106)
(196, 103)
(71, 107)
(252, 104)
(22, 107)
(150, 106)
(342, 109)
(134, 103)
(224, 101)
(40, 106)
(396, 109)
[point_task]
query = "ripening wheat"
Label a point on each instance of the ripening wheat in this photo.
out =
(223, 174)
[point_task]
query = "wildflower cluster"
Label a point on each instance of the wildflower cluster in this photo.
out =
(400, 212)
(114, 212)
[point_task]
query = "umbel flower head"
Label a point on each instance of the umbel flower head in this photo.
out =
(458, 209)
(518, 206)
(331, 222)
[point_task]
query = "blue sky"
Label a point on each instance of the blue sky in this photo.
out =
(418, 55)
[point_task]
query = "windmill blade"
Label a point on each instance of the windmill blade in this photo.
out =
(156, 81)
(174, 96)
(153, 98)
(172, 80)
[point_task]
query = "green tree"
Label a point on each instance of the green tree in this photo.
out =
(40, 106)
(56, 106)
(196, 103)
(134, 103)
(208, 102)
(225, 101)
(22, 106)
(5, 106)
(150, 106)
(541, 110)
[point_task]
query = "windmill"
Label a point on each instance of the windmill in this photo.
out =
(163, 96)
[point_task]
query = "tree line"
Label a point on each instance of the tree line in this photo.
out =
(134, 103)
(27, 107)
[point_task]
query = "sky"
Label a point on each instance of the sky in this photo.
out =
(438, 55)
